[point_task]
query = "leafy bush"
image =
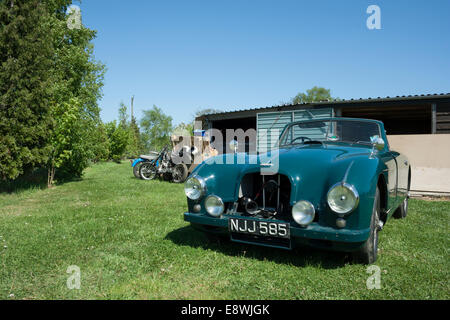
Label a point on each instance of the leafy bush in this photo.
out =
(101, 144)
(118, 140)
(72, 143)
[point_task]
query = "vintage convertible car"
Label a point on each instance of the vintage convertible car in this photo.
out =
(334, 184)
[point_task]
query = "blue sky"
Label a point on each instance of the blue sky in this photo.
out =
(228, 55)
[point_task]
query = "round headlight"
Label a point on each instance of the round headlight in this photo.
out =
(194, 188)
(303, 213)
(343, 198)
(214, 206)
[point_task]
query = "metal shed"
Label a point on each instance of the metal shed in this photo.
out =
(418, 125)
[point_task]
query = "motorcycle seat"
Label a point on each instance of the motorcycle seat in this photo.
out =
(149, 156)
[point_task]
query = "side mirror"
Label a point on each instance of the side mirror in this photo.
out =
(377, 142)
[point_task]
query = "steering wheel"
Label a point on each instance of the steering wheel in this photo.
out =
(303, 139)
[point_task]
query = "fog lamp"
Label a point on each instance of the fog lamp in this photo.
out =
(303, 213)
(214, 206)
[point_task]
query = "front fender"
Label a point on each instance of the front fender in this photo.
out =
(363, 173)
(222, 179)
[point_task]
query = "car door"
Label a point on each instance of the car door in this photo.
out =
(403, 173)
(390, 160)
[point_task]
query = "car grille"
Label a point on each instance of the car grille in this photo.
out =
(268, 193)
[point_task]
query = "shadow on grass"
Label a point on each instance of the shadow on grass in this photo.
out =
(299, 257)
(36, 179)
(33, 180)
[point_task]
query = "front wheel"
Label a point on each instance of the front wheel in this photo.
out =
(147, 171)
(179, 173)
(367, 254)
(402, 211)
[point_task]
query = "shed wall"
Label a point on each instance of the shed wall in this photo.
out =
(429, 156)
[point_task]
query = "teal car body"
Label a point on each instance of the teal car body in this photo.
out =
(311, 170)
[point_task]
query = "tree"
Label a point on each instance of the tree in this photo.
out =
(123, 115)
(66, 140)
(156, 127)
(47, 73)
(315, 94)
(77, 80)
(184, 129)
(203, 112)
(134, 145)
(26, 57)
(118, 140)
(101, 143)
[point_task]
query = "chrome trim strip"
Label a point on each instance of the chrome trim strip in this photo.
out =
(344, 180)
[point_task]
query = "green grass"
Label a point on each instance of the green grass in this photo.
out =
(130, 241)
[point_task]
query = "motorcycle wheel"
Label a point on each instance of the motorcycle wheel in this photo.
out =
(136, 170)
(147, 171)
(179, 173)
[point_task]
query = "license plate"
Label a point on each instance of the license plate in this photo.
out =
(259, 228)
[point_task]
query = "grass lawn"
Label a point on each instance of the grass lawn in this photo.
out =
(129, 240)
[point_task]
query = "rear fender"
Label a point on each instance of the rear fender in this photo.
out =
(135, 162)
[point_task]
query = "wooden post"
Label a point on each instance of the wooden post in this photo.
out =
(132, 101)
(433, 118)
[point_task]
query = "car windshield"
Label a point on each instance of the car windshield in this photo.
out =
(350, 131)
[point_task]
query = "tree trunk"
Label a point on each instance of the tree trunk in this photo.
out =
(50, 176)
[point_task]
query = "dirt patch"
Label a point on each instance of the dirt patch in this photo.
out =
(431, 198)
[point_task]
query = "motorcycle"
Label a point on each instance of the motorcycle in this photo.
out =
(137, 163)
(162, 166)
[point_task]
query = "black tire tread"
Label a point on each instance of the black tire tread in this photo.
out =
(367, 254)
(185, 173)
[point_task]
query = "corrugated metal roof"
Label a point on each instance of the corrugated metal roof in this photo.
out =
(340, 101)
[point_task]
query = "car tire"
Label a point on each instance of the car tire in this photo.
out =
(402, 211)
(367, 254)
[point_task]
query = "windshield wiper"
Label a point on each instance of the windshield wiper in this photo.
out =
(363, 142)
